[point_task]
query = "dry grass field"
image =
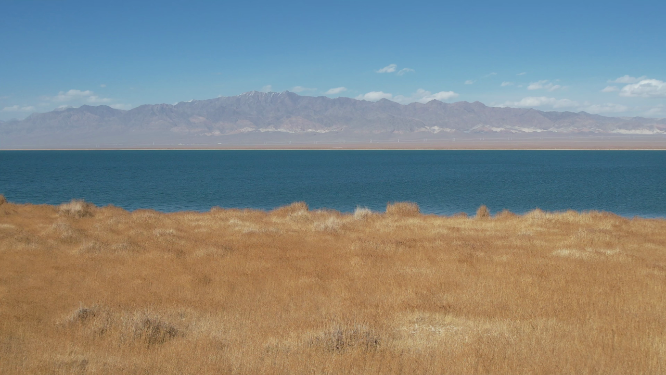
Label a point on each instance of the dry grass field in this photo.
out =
(85, 289)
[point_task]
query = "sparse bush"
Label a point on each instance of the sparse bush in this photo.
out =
(76, 208)
(361, 213)
(3, 200)
(482, 212)
(403, 209)
(154, 331)
(84, 314)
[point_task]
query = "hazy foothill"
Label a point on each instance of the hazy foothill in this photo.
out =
(273, 119)
(88, 289)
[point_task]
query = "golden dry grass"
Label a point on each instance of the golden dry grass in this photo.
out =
(294, 291)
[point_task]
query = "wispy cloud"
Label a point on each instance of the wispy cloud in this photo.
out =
(267, 88)
(374, 96)
(103, 85)
(388, 69)
(17, 108)
(627, 79)
(469, 82)
(647, 88)
(336, 90)
(505, 84)
(541, 101)
(302, 89)
(543, 85)
(490, 75)
(610, 89)
(424, 96)
(405, 70)
(521, 74)
(420, 96)
(605, 108)
(121, 106)
(78, 95)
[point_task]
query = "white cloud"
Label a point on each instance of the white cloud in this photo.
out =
(17, 108)
(469, 82)
(66, 96)
(610, 89)
(374, 96)
(541, 101)
(267, 88)
(521, 74)
(605, 108)
(543, 85)
(627, 79)
(78, 95)
(420, 96)
(504, 84)
(336, 90)
(490, 75)
(97, 99)
(103, 85)
(301, 89)
(647, 88)
(121, 106)
(424, 96)
(404, 70)
(388, 69)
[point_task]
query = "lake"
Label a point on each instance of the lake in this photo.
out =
(627, 183)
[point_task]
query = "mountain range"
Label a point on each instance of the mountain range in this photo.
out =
(268, 116)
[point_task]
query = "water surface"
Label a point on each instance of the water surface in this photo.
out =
(442, 182)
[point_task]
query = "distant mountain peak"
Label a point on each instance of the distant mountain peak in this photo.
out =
(266, 115)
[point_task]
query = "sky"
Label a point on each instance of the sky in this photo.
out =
(604, 57)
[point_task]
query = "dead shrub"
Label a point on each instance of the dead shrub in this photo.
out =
(403, 209)
(482, 212)
(362, 213)
(84, 315)
(153, 331)
(76, 208)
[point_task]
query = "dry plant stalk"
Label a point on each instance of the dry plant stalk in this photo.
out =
(301, 292)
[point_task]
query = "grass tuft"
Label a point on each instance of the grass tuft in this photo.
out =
(3, 200)
(403, 209)
(153, 331)
(76, 208)
(482, 212)
(362, 213)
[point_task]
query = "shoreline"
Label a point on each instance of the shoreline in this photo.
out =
(458, 214)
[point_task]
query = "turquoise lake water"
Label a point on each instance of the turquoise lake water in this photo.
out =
(442, 182)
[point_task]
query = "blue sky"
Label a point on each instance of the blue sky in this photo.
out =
(606, 57)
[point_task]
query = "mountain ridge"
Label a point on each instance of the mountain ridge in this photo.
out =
(264, 114)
